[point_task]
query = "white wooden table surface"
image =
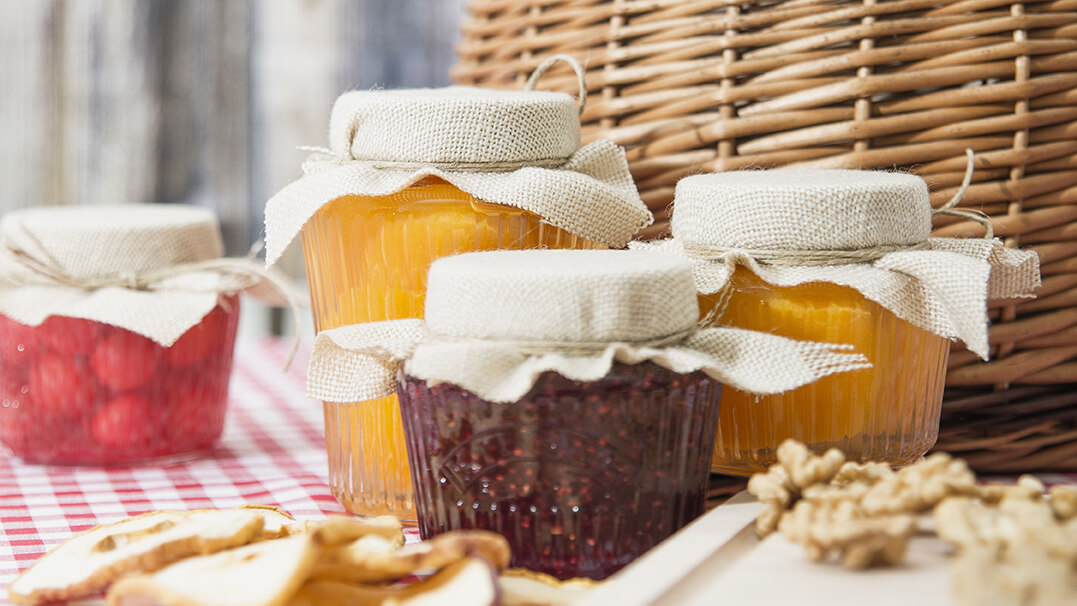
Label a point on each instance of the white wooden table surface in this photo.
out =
(718, 559)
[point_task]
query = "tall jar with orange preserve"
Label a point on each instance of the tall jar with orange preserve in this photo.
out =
(841, 256)
(414, 175)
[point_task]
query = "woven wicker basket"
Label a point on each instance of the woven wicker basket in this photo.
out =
(690, 86)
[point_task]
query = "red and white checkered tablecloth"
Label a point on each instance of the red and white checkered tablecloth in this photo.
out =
(272, 452)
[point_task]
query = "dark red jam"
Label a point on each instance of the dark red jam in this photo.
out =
(75, 391)
(581, 478)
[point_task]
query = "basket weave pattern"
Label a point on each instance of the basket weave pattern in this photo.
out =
(692, 86)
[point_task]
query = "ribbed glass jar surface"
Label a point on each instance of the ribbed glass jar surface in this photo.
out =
(581, 478)
(889, 412)
(78, 392)
(366, 260)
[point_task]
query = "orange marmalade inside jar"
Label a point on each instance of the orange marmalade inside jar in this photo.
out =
(889, 412)
(367, 259)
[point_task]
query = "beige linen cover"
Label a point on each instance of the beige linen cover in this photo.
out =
(868, 230)
(497, 320)
(153, 269)
(516, 148)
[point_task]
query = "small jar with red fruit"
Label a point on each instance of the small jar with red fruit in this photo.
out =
(564, 398)
(117, 325)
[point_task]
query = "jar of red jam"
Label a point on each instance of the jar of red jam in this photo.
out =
(117, 327)
(565, 399)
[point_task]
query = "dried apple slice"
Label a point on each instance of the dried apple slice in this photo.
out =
(339, 530)
(277, 522)
(521, 587)
(374, 559)
(261, 574)
(88, 562)
(471, 581)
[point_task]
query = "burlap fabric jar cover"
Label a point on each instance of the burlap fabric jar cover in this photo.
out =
(136, 279)
(586, 389)
(413, 175)
(515, 148)
(807, 236)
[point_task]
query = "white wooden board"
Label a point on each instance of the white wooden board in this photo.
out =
(719, 560)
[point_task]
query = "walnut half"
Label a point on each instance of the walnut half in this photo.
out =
(862, 540)
(782, 485)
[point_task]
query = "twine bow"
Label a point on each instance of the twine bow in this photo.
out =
(41, 269)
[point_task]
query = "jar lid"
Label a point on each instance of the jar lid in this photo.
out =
(801, 210)
(561, 295)
(104, 241)
(455, 125)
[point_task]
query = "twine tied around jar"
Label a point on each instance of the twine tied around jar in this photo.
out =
(566, 348)
(800, 258)
(41, 269)
(324, 156)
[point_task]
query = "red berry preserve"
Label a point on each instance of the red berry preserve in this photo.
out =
(582, 478)
(75, 391)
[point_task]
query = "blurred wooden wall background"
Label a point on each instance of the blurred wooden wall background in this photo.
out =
(197, 101)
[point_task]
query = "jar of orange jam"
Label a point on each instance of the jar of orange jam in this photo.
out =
(838, 256)
(366, 259)
(887, 412)
(413, 176)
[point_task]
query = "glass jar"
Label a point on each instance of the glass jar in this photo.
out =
(581, 478)
(75, 391)
(566, 399)
(889, 412)
(366, 260)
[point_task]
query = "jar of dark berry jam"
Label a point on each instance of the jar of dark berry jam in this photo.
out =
(561, 398)
(587, 475)
(117, 326)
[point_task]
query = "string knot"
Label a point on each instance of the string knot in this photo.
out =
(130, 281)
